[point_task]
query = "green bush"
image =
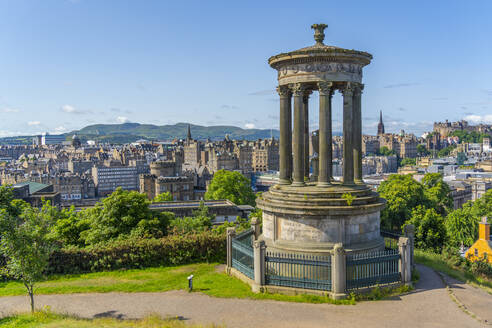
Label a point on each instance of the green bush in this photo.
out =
(137, 253)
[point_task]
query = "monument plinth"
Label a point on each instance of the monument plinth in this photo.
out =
(311, 217)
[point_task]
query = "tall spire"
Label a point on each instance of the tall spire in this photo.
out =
(188, 136)
(381, 124)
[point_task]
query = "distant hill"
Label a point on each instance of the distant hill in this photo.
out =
(130, 132)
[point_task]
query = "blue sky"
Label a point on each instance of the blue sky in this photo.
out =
(65, 64)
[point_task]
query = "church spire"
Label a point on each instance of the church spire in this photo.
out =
(381, 124)
(188, 136)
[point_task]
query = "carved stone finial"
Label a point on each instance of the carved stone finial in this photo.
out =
(319, 32)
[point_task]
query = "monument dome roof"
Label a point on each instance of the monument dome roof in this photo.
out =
(320, 51)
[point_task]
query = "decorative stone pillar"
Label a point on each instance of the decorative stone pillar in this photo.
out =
(298, 171)
(404, 263)
(259, 249)
(357, 133)
(338, 272)
(231, 233)
(285, 132)
(348, 153)
(409, 232)
(325, 134)
(305, 107)
(255, 225)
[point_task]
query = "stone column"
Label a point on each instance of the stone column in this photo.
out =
(409, 232)
(404, 263)
(285, 131)
(259, 249)
(325, 134)
(348, 153)
(305, 108)
(357, 134)
(231, 233)
(298, 171)
(255, 225)
(338, 272)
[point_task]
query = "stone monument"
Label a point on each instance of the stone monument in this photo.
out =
(305, 215)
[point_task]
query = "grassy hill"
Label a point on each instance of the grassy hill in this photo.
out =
(129, 132)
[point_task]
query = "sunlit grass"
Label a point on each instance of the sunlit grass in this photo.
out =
(51, 320)
(206, 280)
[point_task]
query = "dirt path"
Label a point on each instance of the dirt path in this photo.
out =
(430, 305)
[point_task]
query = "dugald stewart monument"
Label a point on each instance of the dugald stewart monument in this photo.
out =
(310, 215)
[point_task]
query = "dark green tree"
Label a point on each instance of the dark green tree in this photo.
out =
(430, 231)
(231, 185)
(402, 194)
(422, 151)
(437, 193)
(163, 197)
(385, 151)
(462, 225)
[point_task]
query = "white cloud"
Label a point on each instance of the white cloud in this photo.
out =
(249, 126)
(32, 123)
(10, 110)
(479, 118)
(60, 129)
(68, 109)
(122, 119)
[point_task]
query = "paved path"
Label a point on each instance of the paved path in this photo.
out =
(430, 305)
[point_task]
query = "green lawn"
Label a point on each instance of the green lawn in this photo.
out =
(436, 262)
(207, 279)
(50, 320)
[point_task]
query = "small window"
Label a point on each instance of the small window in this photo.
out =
(476, 252)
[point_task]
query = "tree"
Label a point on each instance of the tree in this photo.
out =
(163, 197)
(402, 194)
(446, 151)
(121, 214)
(27, 245)
(385, 151)
(70, 225)
(408, 161)
(437, 193)
(461, 158)
(462, 225)
(422, 151)
(430, 231)
(7, 201)
(231, 185)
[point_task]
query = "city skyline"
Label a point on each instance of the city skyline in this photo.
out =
(69, 64)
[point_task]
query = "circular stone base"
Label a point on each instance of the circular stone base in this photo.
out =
(312, 219)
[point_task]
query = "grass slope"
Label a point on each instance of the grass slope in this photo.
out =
(50, 320)
(206, 280)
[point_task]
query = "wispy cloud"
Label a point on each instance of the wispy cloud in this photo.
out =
(229, 107)
(440, 98)
(122, 119)
(262, 93)
(479, 118)
(119, 110)
(60, 129)
(401, 85)
(72, 110)
(249, 125)
(10, 110)
(33, 123)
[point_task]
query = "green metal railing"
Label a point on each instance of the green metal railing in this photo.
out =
(370, 269)
(299, 271)
(390, 239)
(242, 253)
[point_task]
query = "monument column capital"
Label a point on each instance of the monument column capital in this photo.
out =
(298, 89)
(284, 91)
(325, 88)
(348, 89)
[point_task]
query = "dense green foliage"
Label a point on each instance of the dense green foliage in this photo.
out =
(133, 253)
(233, 186)
(26, 244)
(385, 151)
(422, 150)
(163, 197)
(201, 220)
(446, 151)
(402, 194)
(470, 137)
(408, 162)
(437, 193)
(430, 231)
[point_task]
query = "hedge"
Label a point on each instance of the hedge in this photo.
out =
(140, 253)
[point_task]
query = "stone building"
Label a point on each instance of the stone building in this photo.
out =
(265, 155)
(108, 178)
(223, 160)
(180, 187)
(370, 145)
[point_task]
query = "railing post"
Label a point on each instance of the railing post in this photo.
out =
(231, 233)
(404, 263)
(409, 232)
(339, 272)
(255, 225)
(259, 250)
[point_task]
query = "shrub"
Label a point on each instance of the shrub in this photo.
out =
(137, 253)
